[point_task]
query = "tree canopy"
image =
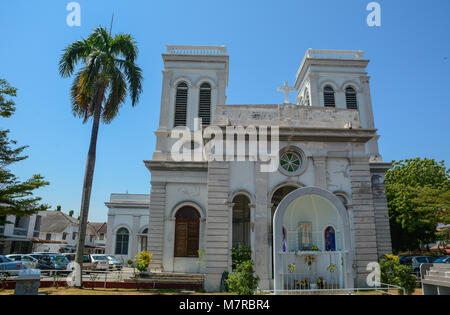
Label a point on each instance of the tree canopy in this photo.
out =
(418, 194)
(16, 197)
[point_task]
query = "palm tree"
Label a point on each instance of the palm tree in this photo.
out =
(98, 91)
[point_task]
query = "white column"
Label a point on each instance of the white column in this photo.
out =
(134, 236)
(261, 248)
(109, 235)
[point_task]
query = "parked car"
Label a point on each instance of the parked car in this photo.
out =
(416, 261)
(17, 257)
(95, 263)
(11, 267)
(49, 262)
(443, 260)
(114, 263)
(59, 262)
(70, 256)
(405, 259)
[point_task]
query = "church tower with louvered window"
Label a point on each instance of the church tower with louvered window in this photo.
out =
(194, 82)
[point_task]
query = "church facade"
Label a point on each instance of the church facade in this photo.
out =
(328, 183)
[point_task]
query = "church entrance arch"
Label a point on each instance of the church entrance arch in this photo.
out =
(312, 247)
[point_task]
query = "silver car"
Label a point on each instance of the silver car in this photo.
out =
(114, 263)
(10, 267)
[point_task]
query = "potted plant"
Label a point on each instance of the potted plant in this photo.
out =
(142, 261)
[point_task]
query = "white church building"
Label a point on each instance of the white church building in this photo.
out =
(319, 215)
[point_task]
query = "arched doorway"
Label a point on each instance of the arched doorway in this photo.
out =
(187, 232)
(241, 221)
(312, 248)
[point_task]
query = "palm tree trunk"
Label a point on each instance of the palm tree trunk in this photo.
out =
(87, 188)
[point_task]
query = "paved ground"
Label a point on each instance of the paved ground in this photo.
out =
(119, 276)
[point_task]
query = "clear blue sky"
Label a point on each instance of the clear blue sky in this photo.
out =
(266, 40)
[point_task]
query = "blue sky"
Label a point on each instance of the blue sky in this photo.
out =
(266, 40)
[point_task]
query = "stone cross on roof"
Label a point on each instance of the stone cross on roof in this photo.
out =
(286, 89)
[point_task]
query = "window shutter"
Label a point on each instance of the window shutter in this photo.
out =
(193, 239)
(328, 96)
(181, 105)
(350, 95)
(205, 104)
(187, 233)
(181, 230)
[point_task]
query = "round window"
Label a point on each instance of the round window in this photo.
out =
(291, 162)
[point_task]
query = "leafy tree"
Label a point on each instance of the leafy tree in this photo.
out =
(16, 197)
(7, 106)
(58, 208)
(392, 272)
(242, 280)
(418, 194)
(98, 90)
(71, 212)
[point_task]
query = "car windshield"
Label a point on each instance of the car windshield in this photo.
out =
(112, 258)
(421, 259)
(59, 259)
(99, 257)
(27, 258)
(4, 259)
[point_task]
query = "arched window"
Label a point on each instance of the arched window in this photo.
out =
(330, 239)
(181, 104)
(350, 96)
(204, 110)
(187, 232)
(241, 221)
(328, 96)
(122, 238)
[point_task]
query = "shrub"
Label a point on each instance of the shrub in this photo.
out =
(143, 260)
(395, 274)
(242, 280)
(240, 254)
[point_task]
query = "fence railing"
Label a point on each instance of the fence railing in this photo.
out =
(335, 54)
(382, 289)
(197, 50)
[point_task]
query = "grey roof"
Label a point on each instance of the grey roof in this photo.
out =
(56, 222)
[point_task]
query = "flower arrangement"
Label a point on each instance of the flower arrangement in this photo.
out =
(315, 248)
(292, 268)
(332, 268)
(321, 283)
(305, 283)
(310, 259)
(143, 260)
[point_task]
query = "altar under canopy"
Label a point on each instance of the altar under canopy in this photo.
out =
(311, 242)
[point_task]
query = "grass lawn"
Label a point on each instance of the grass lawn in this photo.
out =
(74, 291)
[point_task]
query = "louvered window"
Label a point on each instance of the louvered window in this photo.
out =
(205, 104)
(306, 99)
(181, 105)
(187, 232)
(328, 96)
(350, 95)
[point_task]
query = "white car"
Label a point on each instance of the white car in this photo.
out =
(95, 262)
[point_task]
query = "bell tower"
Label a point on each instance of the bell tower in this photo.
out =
(195, 79)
